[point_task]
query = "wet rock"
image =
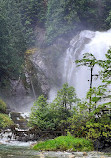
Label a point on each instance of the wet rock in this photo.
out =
(98, 145)
(19, 120)
(9, 136)
(84, 154)
(80, 154)
(42, 155)
(71, 156)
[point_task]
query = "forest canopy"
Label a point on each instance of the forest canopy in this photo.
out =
(18, 20)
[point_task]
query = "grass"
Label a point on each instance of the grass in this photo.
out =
(64, 143)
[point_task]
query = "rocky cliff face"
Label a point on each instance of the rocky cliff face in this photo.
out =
(41, 73)
(46, 67)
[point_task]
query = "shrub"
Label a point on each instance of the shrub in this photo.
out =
(63, 143)
(5, 121)
(2, 106)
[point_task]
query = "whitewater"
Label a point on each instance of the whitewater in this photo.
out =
(96, 43)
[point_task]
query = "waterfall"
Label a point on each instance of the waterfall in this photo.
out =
(87, 41)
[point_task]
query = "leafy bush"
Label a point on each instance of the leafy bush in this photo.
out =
(63, 143)
(5, 121)
(2, 106)
(99, 126)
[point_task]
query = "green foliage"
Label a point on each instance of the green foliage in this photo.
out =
(88, 60)
(94, 117)
(64, 17)
(61, 18)
(105, 75)
(40, 115)
(106, 65)
(34, 12)
(63, 143)
(2, 106)
(78, 121)
(12, 42)
(5, 121)
(91, 13)
(62, 105)
(58, 17)
(90, 119)
(99, 126)
(18, 20)
(93, 125)
(66, 97)
(53, 116)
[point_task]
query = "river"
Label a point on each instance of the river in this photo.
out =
(8, 151)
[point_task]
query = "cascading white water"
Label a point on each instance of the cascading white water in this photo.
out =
(96, 43)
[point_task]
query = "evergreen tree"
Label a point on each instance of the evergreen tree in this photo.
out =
(41, 117)
(53, 116)
(33, 14)
(61, 18)
(66, 97)
(12, 43)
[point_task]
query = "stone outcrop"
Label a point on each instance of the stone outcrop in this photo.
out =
(42, 71)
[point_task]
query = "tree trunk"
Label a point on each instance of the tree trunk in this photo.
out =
(90, 88)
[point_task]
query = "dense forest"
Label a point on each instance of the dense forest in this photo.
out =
(58, 18)
(19, 19)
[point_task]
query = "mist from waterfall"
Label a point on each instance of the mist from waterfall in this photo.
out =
(96, 43)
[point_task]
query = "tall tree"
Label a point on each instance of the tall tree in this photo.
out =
(61, 18)
(33, 14)
(40, 116)
(66, 97)
(12, 41)
(106, 76)
(90, 61)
